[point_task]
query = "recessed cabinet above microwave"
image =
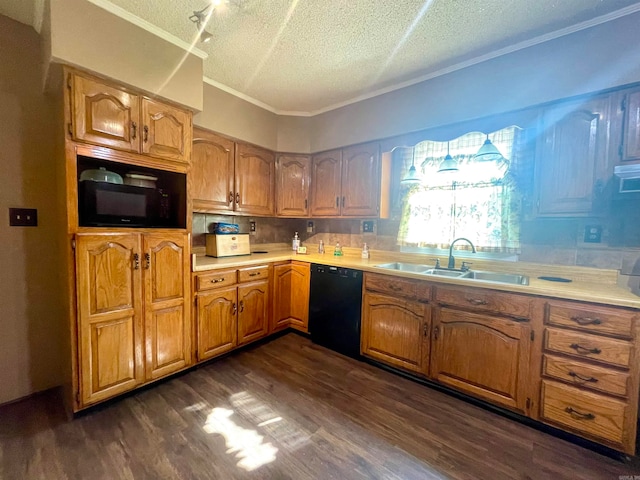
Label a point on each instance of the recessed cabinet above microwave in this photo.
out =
(118, 195)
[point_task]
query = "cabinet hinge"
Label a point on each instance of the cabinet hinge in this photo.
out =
(533, 334)
(78, 397)
(69, 128)
(73, 243)
(623, 103)
(528, 403)
(69, 82)
(620, 150)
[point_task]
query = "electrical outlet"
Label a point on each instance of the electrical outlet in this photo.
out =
(593, 234)
(309, 226)
(252, 227)
(368, 226)
(23, 217)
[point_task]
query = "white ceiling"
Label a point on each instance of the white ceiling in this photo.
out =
(297, 56)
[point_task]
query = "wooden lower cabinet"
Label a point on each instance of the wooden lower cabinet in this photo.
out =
(396, 331)
(133, 324)
(253, 311)
(484, 355)
(217, 322)
(291, 296)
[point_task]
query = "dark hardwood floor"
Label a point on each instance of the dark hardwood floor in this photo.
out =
(287, 409)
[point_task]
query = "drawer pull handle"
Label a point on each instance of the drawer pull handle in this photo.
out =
(477, 301)
(254, 274)
(586, 320)
(217, 280)
(576, 414)
(578, 377)
(584, 350)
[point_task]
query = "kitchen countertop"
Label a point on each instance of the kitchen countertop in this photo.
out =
(588, 284)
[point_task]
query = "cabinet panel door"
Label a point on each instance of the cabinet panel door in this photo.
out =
(105, 115)
(571, 159)
(217, 322)
(110, 329)
(293, 173)
(281, 297)
(485, 356)
(631, 131)
(166, 288)
(255, 180)
(212, 170)
(396, 332)
(326, 174)
(360, 180)
(253, 311)
(299, 313)
(166, 132)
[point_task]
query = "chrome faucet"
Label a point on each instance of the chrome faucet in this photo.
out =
(452, 260)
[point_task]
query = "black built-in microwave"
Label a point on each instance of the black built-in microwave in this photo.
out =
(103, 204)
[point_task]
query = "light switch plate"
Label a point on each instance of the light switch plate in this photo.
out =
(23, 217)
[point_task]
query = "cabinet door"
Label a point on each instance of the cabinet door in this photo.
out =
(571, 158)
(217, 322)
(299, 313)
(254, 180)
(326, 174)
(396, 332)
(631, 127)
(293, 173)
(212, 164)
(166, 292)
(485, 356)
(105, 115)
(110, 329)
(282, 288)
(166, 132)
(253, 311)
(360, 180)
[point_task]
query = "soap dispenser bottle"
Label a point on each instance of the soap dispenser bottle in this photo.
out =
(337, 251)
(295, 242)
(365, 251)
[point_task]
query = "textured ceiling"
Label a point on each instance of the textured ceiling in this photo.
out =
(310, 56)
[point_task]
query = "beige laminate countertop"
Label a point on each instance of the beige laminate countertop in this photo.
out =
(588, 284)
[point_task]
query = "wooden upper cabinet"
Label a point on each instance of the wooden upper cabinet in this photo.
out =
(115, 117)
(212, 172)
(630, 150)
(485, 356)
(254, 180)
(293, 173)
(166, 286)
(572, 157)
(360, 180)
(104, 115)
(166, 131)
(326, 175)
(110, 328)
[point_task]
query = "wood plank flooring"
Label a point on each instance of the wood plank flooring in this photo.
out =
(287, 409)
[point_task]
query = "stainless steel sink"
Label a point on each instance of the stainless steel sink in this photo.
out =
(406, 267)
(497, 277)
(510, 278)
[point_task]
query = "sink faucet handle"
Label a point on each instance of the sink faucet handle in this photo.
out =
(437, 260)
(465, 266)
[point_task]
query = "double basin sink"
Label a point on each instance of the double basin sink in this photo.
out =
(496, 277)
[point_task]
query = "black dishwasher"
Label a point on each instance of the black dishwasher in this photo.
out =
(335, 303)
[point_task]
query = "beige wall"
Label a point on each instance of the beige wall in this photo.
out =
(594, 59)
(294, 134)
(30, 309)
(230, 115)
(87, 36)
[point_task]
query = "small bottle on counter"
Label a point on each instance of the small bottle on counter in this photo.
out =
(321, 247)
(295, 243)
(365, 251)
(337, 251)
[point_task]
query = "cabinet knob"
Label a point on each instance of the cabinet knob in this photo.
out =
(237, 198)
(230, 197)
(136, 261)
(134, 130)
(241, 306)
(234, 309)
(145, 137)
(147, 260)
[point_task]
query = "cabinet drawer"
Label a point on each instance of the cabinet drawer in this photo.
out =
(591, 318)
(397, 286)
(586, 412)
(253, 273)
(584, 345)
(588, 376)
(486, 300)
(222, 278)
